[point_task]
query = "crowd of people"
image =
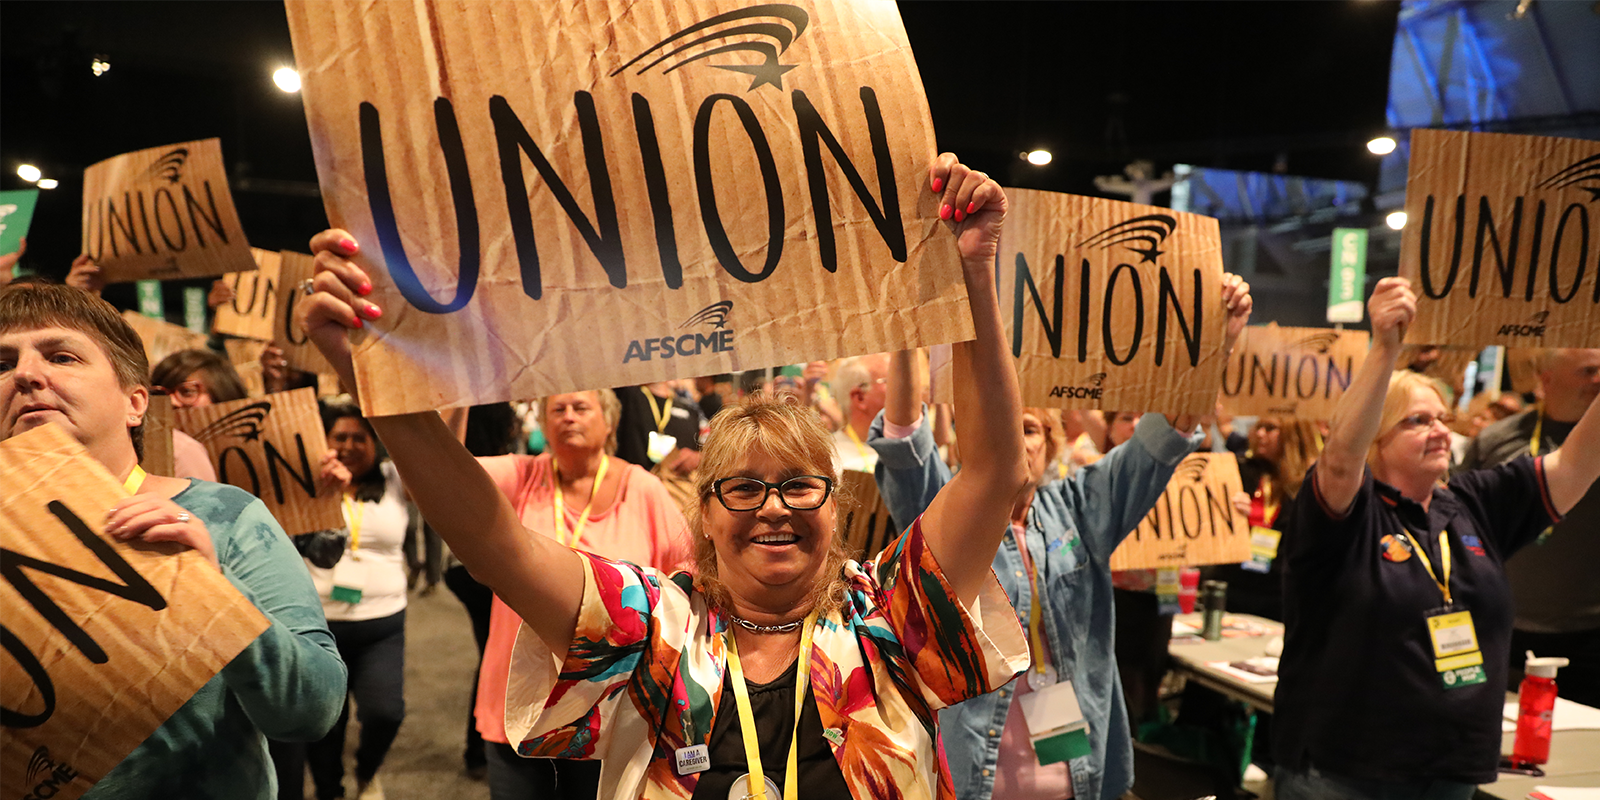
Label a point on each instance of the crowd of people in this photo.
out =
(664, 605)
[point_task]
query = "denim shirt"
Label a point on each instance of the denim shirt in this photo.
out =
(1073, 526)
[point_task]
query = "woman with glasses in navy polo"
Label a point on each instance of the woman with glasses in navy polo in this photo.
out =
(1396, 604)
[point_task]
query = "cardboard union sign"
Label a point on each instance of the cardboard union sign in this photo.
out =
(162, 339)
(104, 640)
(158, 422)
(165, 212)
(867, 527)
(253, 311)
(245, 356)
(1109, 304)
(1194, 522)
(679, 189)
(293, 270)
(270, 447)
(1291, 372)
(1498, 244)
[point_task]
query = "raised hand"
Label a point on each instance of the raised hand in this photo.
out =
(973, 205)
(1236, 296)
(153, 518)
(332, 310)
(86, 275)
(1391, 308)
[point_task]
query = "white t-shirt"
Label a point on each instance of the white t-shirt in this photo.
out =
(849, 455)
(378, 563)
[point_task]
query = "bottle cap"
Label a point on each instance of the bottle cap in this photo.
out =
(1544, 667)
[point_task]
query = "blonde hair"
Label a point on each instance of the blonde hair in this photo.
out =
(610, 408)
(1054, 441)
(1299, 444)
(1402, 384)
(786, 431)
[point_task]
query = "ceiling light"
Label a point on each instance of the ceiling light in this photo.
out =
(1396, 220)
(1381, 146)
(100, 66)
(287, 79)
(1038, 158)
(29, 173)
(48, 183)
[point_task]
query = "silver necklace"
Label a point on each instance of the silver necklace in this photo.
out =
(751, 626)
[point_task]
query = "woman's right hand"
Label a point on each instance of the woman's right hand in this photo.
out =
(1391, 308)
(1241, 504)
(336, 305)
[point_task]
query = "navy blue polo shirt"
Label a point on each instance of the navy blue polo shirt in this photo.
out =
(1359, 693)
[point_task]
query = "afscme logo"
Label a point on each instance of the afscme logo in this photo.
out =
(1535, 326)
(717, 340)
(1092, 391)
(46, 776)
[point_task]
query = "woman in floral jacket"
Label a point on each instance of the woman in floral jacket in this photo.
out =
(778, 663)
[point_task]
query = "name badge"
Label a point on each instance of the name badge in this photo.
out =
(1055, 723)
(1263, 549)
(692, 759)
(1456, 654)
(661, 446)
(1168, 586)
(349, 579)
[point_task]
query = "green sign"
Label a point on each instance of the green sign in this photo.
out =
(150, 303)
(16, 213)
(1347, 275)
(194, 309)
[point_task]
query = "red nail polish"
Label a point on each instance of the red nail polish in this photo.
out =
(972, 207)
(347, 244)
(945, 211)
(373, 312)
(364, 289)
(356, 323)
(960, 215)
(938, 184)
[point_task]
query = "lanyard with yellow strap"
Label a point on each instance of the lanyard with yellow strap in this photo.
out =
(135, 480)
(756, 785)
(861, 447)
(1444, 562)
(662, 412)
(1044, 673)
(576, 532)
(354, 513)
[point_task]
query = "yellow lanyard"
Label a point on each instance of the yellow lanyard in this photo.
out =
(861, 448)
(561, 507)
(135, 480)
(747, 720)
(1444, 559)
(1041, 655)
(1538, 435)
(353, 514)
(662, 413)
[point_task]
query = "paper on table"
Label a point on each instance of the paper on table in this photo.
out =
(1566, 792)
(1568, 716)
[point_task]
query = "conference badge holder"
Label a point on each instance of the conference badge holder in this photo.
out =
(349, 578)
(1455, 648)
(1263, 548)
(1055, 722)
(1168, 587)
(661, 445)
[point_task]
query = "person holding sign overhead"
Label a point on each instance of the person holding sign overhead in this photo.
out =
(67, 358)
(662, 676)
(1062, 730)
(1396, 606)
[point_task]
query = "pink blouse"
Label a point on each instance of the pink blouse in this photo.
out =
(643, 526)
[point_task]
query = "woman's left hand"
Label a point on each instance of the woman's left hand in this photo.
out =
(973, 205)
(1236, 296)
(153, 518)
(333, 475)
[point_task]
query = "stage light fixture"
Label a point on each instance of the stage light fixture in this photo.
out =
(1396, 220)
(1038, 158)
(29, 173)
(287, 79)
(99, 66)
(48, 183)
(1381, 146)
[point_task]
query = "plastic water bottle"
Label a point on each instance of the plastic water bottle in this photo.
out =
(1536, 703)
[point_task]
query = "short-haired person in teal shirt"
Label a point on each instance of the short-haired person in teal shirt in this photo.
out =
(68, 358)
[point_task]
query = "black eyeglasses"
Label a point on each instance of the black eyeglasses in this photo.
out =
(800, 493)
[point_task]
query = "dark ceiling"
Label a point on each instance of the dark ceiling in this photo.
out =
(1299, 86)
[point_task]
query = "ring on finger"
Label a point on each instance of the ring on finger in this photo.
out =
(308, 287)
(183, 517)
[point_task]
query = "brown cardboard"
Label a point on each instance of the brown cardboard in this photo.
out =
(575, 84)
(1194, 522)
(245, 355)
(1484, 274)
(1520, 365)
(253, 311)
(270, 447)
(163, 213)
(166, 625)
(293, 271)
(158, 422)
(1291, 372)
(162, 338)
(1062, 357)
(866, 525)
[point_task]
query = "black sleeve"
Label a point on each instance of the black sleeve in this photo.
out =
(632, 430)
(1311, 527)
(1511, 500)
